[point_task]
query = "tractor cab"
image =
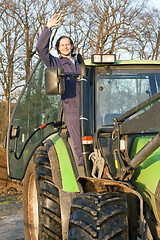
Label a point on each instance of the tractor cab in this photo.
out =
(120, 96)
(109, 88)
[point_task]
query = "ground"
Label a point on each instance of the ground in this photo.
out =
(11, 217)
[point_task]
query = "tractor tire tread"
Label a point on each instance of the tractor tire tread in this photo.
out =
(50, 219)
(99, 216)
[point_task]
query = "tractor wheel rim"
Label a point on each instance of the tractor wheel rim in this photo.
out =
(33, 217)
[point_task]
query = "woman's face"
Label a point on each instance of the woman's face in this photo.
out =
(65, 47)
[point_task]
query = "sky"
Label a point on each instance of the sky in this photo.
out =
(156, 3)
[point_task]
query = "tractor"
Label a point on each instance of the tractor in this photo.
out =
(116, 194)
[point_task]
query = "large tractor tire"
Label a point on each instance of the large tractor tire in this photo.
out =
(99, 216)
(41, 206)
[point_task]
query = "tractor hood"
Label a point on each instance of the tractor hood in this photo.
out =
(146, 177)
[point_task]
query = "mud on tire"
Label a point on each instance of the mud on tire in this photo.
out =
(99, 216)
(41, 207)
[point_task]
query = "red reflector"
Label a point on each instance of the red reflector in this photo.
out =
(87, 140)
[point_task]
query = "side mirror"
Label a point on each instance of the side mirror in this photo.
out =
(14, 132)
(54, 81)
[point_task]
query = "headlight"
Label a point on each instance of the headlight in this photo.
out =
(103, 58)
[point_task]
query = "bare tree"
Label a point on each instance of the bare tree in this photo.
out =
(96, 26)
(20, 24)
(9, 39)
(145, 41)
(107, 23)
(30, 16)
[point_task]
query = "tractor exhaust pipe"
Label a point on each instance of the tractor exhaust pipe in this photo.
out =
(82, 65)
(84, 114)
(84, 111)
(146, 151)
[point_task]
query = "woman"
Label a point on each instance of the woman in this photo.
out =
(67, 60)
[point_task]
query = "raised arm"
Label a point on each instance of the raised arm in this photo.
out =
(54, 21)
(44, 40)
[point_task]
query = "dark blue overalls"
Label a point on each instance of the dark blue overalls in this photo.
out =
(70, 99)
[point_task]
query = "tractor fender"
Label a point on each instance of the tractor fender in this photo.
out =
(63, 177)
(53, 159)
(90, 184)
(62, 169)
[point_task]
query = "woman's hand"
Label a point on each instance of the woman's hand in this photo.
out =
(54, 20)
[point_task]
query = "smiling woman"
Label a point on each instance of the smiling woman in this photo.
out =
(69, 62)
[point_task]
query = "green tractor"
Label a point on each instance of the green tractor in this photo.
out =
(116, 195)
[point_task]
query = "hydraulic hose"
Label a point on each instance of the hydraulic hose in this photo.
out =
(55, 124)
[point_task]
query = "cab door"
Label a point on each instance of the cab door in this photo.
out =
(33, 109)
